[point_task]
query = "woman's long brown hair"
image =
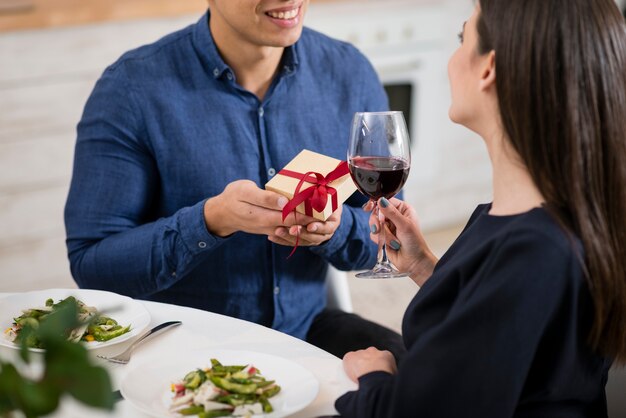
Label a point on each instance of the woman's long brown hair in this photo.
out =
(561, 85)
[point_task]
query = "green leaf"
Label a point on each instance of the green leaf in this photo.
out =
(38, 399)
(10, 379)
(93, 387)
(63, 318)
(68, 369)
(25, 338)
(34, 399)
(60, 353)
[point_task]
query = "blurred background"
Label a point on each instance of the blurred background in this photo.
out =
(53, 51)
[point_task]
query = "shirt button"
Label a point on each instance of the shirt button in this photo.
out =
(261, 111)
(216, 72)
(271, 172)
(202, 244)
(229, 76)
(173, 274)
(276, 290)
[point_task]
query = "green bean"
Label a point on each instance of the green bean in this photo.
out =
(263, 383)
(215, 413)
(267, 406)
(28, 322)
(236, 399)
(217, 367)
(192, 410)
(100, 335)
(194, 379)
(272, 391)
(233, 387)
(228, 369)
(241, 381)
(241, 375)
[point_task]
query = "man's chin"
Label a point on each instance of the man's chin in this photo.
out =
(285, 41)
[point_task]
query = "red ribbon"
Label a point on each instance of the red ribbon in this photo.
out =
(315, 196)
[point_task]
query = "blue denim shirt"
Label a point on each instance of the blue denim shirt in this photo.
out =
(166, 127)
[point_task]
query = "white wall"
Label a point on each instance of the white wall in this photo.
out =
(45, 79)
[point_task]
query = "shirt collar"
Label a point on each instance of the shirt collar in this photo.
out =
(206, 48)
(289, 61)
(212, 60)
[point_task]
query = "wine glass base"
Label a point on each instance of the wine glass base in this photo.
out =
(381, 271)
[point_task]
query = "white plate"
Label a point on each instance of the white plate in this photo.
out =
(123, 309)
(147, 386)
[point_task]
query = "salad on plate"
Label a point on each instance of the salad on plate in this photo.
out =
(221, 391)
(96, 327)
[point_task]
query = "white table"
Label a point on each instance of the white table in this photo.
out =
(206, 330)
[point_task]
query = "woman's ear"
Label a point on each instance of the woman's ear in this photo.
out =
(488, 75)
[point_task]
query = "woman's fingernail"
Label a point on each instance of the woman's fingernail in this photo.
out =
(282, 201)
(395, 245)
(373, 228)
(384, 202)
(313, 228)
(364, 205)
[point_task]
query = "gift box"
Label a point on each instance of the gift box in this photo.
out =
(314, 184)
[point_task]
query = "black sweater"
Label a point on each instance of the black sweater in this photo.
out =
(499, 330)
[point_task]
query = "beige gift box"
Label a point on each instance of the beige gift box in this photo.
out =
(286, 181)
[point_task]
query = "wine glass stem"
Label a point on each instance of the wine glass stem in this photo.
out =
(382, 246)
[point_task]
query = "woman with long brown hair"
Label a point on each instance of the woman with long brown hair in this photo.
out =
(526, 311)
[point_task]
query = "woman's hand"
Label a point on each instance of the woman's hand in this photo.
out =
(358, 363)
(406, 247)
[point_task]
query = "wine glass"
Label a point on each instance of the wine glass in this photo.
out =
(379, 158)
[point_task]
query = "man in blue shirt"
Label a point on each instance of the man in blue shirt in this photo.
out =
(174, 147)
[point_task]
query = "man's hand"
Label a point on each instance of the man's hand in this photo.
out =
(311, 233)
(242, 206)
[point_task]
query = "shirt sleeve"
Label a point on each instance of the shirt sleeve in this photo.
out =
(475, 362)
(114, 239)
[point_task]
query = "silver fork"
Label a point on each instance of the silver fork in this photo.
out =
(124, 357)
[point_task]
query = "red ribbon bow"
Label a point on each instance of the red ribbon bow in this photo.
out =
(315, 196)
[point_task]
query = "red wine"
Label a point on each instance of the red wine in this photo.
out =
(378, 177)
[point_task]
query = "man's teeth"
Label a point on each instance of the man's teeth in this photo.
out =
(284, 15)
